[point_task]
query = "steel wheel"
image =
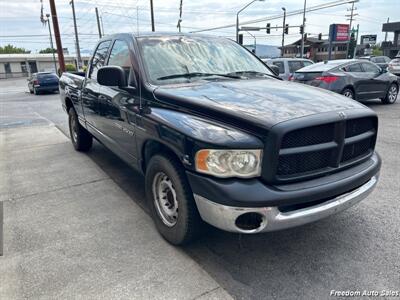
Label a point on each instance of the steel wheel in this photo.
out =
(392, 94)
(165, 201)
(74, 129)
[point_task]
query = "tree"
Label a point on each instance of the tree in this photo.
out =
(352, 45)
(70, 67)
(48, 50)
(376, 50)
(10, 49)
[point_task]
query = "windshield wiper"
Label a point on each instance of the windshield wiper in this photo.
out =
(197, 74)
(251, 73)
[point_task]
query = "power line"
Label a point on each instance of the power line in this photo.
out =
(293, 13)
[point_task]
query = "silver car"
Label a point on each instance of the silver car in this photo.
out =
(287, 66)
(394, 66)
(353, 78)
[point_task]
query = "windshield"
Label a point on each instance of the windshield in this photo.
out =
(166, 57)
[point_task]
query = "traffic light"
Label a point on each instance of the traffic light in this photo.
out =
(241, 39)
(305, 37)
(268, 28)
(320, 36)
(287, 29)
(301, 29)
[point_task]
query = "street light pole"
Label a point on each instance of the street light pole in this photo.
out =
(302, 34)
(237, 17)
(51, 44)
(283, 31)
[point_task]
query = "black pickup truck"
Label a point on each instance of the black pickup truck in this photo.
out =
(218, 136)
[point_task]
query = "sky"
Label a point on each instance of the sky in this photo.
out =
(20, 19)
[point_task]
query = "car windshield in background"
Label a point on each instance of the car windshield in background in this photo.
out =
(47, 76)
(295, 65)
(170, 59)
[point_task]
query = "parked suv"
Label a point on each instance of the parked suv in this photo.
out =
(287, 66)
(356, 79)
(218, 137)
(43, 82)
(381, 61)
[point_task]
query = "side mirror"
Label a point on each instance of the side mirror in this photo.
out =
(383, 70)
(274, 69)
(111, 76)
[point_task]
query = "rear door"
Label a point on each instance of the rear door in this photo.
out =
(118, 106)
(358, 77)
(91, 89)
(376, 84)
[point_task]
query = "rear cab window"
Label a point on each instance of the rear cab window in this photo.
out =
(280, 65)
(295, 65)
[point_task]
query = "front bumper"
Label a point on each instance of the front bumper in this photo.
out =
(224, 217)
(220, 203)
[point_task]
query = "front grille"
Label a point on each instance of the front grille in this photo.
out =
(324, 148)
(305, 162)
(308, 136)
(356, 150)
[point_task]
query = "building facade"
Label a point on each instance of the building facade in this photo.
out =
(391, 48)
(316, 49)
(22, 65)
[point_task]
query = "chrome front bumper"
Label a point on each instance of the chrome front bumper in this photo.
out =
(224, 217)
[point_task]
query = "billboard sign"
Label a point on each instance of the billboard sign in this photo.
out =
(368, 39)
(339, 32)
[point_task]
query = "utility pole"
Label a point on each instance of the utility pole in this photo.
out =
(102, 25)
(51, 44)
(386, 31)
(78, 51)
(152, 16)
(98, 21)
(352, 15)
(283, 31)
(180, 17)
(355, 48)
(57, 36)
(304, 26)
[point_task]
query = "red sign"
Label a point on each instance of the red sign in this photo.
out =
(342, 32)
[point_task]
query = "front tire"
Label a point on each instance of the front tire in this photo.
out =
(35, 91)
(348, 93)
(171, 202)
(81, 139)
(391, 95)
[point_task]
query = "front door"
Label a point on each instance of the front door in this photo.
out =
(91, 89)
(117, 105)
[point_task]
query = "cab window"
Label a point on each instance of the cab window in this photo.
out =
(119, 56)
(99, 58)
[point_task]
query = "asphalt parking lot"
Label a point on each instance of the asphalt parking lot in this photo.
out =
(355, 250)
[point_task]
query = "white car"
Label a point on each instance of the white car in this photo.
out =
(394, 66)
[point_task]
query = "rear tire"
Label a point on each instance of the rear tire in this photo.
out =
(391, 95)
(171, 202)
(347, 92)
(81, 139)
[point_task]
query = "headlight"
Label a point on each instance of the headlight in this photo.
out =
(229, 163)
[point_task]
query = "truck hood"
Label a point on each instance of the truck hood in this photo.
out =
(261, 102)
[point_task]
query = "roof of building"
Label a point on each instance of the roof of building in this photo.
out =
(312, 40)
(391, 27)
(20, 56)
